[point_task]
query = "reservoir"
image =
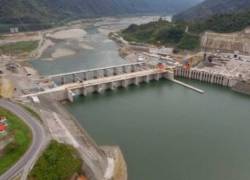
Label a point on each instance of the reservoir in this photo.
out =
(166, 131)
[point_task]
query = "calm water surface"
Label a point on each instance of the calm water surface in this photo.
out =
(105, 53)
(166, 132)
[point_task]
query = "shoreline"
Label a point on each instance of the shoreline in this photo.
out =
(236, 84)
(120, 170)
(47, 45)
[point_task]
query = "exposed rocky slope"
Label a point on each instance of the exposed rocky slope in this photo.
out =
(228, 42)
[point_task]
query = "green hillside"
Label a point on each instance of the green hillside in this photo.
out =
(173, 33)
(223, 23)
(162, 33)
(209, 8)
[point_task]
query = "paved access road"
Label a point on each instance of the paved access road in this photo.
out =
(39, 140)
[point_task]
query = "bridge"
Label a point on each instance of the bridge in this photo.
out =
(69, 85)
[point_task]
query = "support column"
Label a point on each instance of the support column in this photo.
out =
(113, 86)
(175, 72)
(83, 76)
(96, 74)
(212, 79)
(133, 68)
(116, 71)
(206, 77)
(70, 95)
(106, 72)
(84, 91)
(100, 88)
(225, 80)
(62, 80)
(202, 76)
(100, 73)
(87, 75)
(157, 77)
(125, 83)
(187, 73)
(125, 69)
(147, 78)
(74, 77)
(210, 76)
(190, 74)
(216, 79)
(221, 80)
(136, 81)
(169, 75)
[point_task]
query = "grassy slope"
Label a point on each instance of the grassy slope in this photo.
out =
(19, 47)
(22, 136)
(59, 161)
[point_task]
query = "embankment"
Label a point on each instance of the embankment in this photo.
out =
(227, 42)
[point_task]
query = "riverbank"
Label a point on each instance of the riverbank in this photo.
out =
(65, 129)
(147, 153)
(157, 128)
(224, 68)
(179, 135)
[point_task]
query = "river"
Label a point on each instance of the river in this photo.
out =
(166, 131)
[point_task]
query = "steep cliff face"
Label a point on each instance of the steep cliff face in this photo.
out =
(231, 42)
(211, 7)
(43, 11)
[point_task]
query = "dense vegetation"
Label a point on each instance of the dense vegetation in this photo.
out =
(58, 162)
(217, 15)
(209, 8)
(37, 14)
(18, 47)
(223, 23)
(22, 140)
(162, 33)
(174, 34)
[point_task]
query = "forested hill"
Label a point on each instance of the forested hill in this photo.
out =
(47, 11)
(210, 8)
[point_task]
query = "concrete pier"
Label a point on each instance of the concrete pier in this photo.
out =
(189, 86)
(203, 76)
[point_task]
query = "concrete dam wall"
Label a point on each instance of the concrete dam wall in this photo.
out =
(203, 76)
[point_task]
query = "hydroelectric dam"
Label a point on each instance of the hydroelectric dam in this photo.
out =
(68, 85)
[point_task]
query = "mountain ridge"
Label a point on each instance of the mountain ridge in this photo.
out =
(44, 11)
(210, 8)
